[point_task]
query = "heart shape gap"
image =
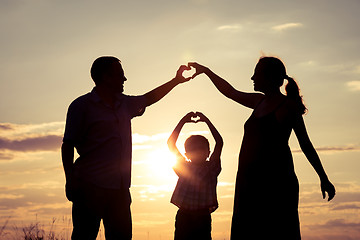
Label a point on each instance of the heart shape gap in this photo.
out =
(195, 119)
(189, 73)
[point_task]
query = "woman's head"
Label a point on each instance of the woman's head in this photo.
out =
(269, 75)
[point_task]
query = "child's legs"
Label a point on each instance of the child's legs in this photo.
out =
(190, 225)
(202, 224)
(182, 226)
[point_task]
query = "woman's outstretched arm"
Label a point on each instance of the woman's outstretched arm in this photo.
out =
(247, 99)
(312, 156)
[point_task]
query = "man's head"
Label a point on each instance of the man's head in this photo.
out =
(197, 148)
(107, 71)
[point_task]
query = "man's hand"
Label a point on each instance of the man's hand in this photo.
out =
(72, 189)
(179, 74)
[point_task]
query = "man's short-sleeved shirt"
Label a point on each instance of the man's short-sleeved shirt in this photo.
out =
(196, 186)
(102, 137)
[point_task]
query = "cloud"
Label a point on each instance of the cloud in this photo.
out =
(36, 143)
(150, 223)
(23, 197)
(139, 138)
(6, 126)
(5, 155)
(286, 26)
(337, 223)
(11, 196)
(347, 196)
(346, 207)
(234, 27)
(332, 149)
(353, 86)
(17, 130)
(48, 137)
(226, 184)
(29, 138)
(357, 69)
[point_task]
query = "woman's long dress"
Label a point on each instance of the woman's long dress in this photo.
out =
(267, 189)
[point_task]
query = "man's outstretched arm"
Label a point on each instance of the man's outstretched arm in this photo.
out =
(158, 93)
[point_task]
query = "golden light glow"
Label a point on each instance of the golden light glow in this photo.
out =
(160, 162)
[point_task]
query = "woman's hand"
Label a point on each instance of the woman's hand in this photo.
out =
(327, 186)
(199, 69)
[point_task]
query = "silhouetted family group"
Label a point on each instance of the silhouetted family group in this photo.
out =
(98, 126)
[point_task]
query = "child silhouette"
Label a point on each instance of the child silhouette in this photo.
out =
(195, 191)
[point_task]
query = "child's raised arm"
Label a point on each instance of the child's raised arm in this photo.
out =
(175, 134)
(218, 139)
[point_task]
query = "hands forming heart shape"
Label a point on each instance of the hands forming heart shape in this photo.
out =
(195, 117)
(185, 73)
(189, 71)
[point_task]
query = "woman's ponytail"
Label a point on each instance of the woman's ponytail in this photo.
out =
(293, 92)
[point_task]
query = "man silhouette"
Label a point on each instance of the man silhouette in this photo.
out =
(98, 126)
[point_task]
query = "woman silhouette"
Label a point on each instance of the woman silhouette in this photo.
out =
(267, 189)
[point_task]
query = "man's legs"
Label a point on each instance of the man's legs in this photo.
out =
(86, 217)
(117, 215)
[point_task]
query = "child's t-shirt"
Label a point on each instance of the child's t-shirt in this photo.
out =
(196, 186)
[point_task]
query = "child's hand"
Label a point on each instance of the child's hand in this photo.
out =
(202, 117)
(188, 118)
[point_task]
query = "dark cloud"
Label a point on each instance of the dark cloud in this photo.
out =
(6, 156)
(347, 193)
(19, 198)
(346, 207)
(333, 149)
(337, 223)
(33, 143)
(347, 197)
(340, 197)
(6, 126)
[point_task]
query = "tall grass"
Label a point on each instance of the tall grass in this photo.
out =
(37, 231)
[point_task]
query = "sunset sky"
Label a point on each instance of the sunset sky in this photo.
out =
(48, 46)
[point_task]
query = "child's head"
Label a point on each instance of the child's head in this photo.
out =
(197, 148)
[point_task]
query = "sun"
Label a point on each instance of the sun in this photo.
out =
(161, 162)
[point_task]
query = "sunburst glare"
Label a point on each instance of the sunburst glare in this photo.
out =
(160, 162)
